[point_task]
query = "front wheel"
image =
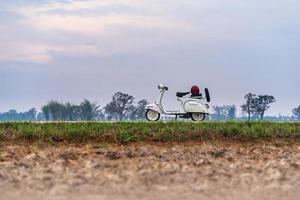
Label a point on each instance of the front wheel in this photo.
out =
(198, 116)
(152, 115)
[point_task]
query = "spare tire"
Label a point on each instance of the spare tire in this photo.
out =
(207, 95)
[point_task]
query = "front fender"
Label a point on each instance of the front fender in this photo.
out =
(153, 106)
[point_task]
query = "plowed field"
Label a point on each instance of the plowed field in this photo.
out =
(223, 169)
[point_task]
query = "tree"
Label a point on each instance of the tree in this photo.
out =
(72, 111)
(225, 112)
(119, 106)
(231, 112)
(296, 112)
(135, 112)
(249, 106)
(262, 104)
(100, 115)
(140, 108)
(132, 112)
(111, 110)
(31, 114)
(88, 110)
(57, 110)
(218, 112)
(14, 115)
(46, 112)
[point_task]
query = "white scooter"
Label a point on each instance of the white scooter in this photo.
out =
(191, 106)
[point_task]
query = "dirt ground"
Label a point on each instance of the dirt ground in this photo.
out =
(190, 170)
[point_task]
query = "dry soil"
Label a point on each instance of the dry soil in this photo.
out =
(190, 170)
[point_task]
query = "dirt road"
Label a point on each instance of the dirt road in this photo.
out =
(190, 170)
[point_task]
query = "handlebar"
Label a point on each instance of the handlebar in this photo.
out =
(161, 86)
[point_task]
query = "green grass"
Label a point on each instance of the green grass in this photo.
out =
(123, 132)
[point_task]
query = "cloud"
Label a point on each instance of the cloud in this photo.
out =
(88, 28)
(42, 53)
(95, 17)
(102, 46)
(117, 27)
(99, 25)
(22, 52)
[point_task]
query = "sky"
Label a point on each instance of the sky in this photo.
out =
(71, 50)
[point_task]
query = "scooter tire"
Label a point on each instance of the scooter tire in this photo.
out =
(197, 119)
(153, 118)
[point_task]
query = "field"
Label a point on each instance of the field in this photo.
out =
(174, 160)
(124, 132)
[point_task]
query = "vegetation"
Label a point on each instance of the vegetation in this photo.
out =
(88, 110)
(119, 106)
(257, 105)
(122, 132)
(225, 112)
(296, 112)
(124, 107)
(14, 115)
(248, 107)
(57, 111)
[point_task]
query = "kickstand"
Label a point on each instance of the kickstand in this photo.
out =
(176, 117)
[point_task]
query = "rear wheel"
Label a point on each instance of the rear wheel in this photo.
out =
(198, 116)
(152, 115)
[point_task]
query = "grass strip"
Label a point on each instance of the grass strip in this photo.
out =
(124, 132)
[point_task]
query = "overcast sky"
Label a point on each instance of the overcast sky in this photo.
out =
(70, 50)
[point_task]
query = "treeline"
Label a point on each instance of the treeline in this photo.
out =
(255, 108)
(225, 112)
(58, 111)
(13, 115)
(122, 107)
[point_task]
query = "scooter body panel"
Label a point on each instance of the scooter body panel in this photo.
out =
(154, 107)
(194, 106)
